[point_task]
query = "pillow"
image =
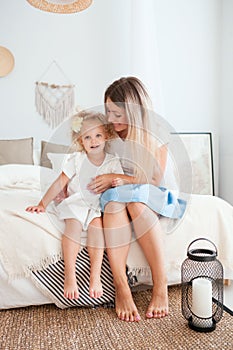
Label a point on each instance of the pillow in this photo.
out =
(57, 160)
(36, 156)
(18, 151)
(26, 176)
(48, 147)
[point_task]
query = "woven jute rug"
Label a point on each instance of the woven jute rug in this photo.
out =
(50, 328)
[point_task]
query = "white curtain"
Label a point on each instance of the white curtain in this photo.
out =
(144, 56)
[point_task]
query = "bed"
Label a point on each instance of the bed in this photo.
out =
(31, 265)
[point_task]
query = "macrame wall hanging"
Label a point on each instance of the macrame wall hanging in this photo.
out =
(54, 102)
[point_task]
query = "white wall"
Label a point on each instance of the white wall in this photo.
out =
(226, 114)
(87, 46)
(188, 45)
(182, 39)
(188, 38)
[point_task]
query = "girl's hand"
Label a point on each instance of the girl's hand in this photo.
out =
(36, 209)
(101, 183)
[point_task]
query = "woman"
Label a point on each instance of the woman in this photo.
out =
(143, 160)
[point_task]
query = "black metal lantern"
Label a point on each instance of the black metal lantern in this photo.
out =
(202, 288)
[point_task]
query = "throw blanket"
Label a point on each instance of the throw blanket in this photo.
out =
(28, 242)
(31, 242)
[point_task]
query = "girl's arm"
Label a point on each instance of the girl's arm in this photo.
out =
(56, 187)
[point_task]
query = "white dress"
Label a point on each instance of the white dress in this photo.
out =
(81, 204)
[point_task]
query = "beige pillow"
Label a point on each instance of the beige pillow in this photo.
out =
(48, 147)
(17, 151)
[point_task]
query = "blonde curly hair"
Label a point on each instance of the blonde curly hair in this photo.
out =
(83, 118)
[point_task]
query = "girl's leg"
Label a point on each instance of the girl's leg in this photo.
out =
(95, 244)
(149, 235)
(117, 233)
(70, 247)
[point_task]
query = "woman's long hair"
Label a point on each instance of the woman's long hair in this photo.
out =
(129, 93)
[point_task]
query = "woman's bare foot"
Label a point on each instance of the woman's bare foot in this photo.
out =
(158, 306)
(71, 288)
(96, 289)
(125, 307)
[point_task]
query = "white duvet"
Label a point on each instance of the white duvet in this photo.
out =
(32, 241)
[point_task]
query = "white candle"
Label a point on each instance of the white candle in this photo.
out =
(202, 302)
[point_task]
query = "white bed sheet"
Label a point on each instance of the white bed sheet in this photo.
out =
(20, 292)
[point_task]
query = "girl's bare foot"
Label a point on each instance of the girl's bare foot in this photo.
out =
(158, 306)
(71, 288)
(96, 289)
(125, 307)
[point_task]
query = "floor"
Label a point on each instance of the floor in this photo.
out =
(228, 296)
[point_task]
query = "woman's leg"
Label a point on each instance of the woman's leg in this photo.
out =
(149, 235)
(95, 244)
(70, 247)
(117, 231)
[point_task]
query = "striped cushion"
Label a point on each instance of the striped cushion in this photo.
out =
(51, 282)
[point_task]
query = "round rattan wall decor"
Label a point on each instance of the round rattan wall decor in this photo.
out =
(61, 6)
(7, 61)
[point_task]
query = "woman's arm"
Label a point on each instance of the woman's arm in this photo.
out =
(161, 157)
(56, 187)
(103, 182)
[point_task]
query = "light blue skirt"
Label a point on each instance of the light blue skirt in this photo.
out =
(159, 199)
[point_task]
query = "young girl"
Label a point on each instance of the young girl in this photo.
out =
(81, 209)
(129, 109)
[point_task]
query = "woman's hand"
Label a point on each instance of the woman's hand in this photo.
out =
(61, 196)
(101, 183)
(117, 181)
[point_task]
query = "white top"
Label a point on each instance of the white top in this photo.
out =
(160, 134)
(81, 171)
(124, 149)
(81, 204)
